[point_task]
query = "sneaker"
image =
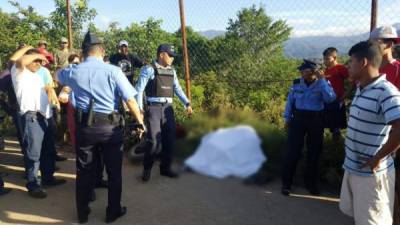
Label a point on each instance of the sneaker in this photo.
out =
(53, 182)
(4, 191)
(37, 193)
(111, 218)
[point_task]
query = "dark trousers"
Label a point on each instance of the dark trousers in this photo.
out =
(108, 138)
(99, 164)
(310, 128)
(16, 117)
(335, 116)
(160, 135)
(38, 148)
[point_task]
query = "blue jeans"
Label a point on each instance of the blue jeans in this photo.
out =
(38, 147)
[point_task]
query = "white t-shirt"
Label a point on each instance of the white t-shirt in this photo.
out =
(30, 92)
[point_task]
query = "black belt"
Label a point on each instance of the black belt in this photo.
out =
(307, 113)
(100, 118)
(158, 103)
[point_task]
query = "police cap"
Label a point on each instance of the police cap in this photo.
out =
(166, 48)
(309, 64)
(90, 39)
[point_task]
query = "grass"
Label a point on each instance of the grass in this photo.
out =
(273, 139)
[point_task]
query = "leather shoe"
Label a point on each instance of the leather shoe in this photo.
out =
(101, 184)
(84, 217)
(146, 175)
(37, 193)
(111, 218)
(92, 196)
(285, 191)
(4, 190)
(169, 173)
(314, 190)
(53, 182)
(60, 158)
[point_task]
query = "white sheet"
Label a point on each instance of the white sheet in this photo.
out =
(228, 152)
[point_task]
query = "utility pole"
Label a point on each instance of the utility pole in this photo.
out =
(69, 27)
(185, 50)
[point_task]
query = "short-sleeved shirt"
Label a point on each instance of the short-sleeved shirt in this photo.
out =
(392, 71)
(127, 63)
(308, 97)
(95, 80)
(30, 92)
(61, 57)
(147, 74)
(337, 75)
(45, 74)
(373, 109)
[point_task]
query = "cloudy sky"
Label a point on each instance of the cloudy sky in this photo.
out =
(307, 17)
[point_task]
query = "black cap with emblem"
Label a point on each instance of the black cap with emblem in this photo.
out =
(89, 40)
(312, 64)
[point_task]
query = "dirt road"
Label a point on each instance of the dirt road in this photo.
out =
(190, 200)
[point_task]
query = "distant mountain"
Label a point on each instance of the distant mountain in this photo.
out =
(311, 46)
(210, 34)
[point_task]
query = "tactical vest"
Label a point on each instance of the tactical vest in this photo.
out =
(163, 83)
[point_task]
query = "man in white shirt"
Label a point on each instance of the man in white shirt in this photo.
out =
(36, 121)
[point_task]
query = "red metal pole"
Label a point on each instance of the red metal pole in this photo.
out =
(69, 27)
(185, 50)
(374, 14)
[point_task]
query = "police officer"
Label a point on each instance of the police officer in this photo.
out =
(97, 88)
(304, 118)
(159, 81)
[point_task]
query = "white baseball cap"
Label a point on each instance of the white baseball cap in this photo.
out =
(123, 42)
(384, 32)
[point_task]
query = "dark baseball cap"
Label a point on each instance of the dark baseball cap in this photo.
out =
(90, 39)
(309, 64)
(167, 48)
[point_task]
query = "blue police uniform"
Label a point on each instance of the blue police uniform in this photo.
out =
(304, 114)
(97, 89)
(159, 84)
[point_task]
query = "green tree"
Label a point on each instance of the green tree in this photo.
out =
(81, 16)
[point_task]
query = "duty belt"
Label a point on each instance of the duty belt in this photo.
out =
(158, 103)
(113, 118)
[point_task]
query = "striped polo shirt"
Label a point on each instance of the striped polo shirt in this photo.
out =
(371, 111)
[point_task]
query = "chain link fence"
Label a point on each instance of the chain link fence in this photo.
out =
(316, 24)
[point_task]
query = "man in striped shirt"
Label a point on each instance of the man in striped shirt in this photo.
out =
(368, 184)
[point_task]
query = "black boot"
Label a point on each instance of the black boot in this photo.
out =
(168, 172)
(111, 217)
(84, 216)
(146, 174)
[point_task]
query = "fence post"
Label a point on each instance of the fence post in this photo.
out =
(374, 14)
(185, 51)
(69, 27)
